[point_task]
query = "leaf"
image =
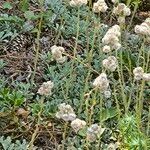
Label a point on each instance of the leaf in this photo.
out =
(30, 15)
(7, 5)
(82, 132)
(1, 34)
(35, 30)
(24, 4)
(108, 113)
(27, 26)
(8, 144)
(5, 17)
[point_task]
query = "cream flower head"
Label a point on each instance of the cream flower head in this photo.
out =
(74, 3)
(94, 131)
(110, 63)
(66, 112)
(146, 76)
(57, 52)
(138, 73)
(46, 88)
(111, 38)
(100, 6)
(77, 124)
(122, 10)
(101, 82)
(106, 49)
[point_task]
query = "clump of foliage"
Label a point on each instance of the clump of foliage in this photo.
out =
(8, 144)
(87, 80)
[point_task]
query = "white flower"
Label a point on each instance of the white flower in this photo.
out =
(121, 10)
(116, 46)
(57, 54)
(101, 82)
(65, 112)
(111, 38)
(46, 88)
(142, 29)
(57, 51)
(106, 49)
(148, 40)
(110, 63)
(102, 25)
(99, 6)
(91, 137)
(61, 60)
(138, 70)
(113, 146)
(84, 1)
(107, 94)
(146, 76)
(147, 21)
(77, 124)
(121, 19)
(127, 11)
(138, 73)
(114, 1)
(94, 131)
(115, 30)
(74, 3)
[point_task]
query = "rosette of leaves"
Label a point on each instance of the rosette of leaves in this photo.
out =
(8, 144)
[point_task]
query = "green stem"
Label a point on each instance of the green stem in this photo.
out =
(133, 14)
(37, 49)
(148, 123)
(90, 54)
(83, 94)
(64, 135)
(77, 34)
(117, 104)
(121, 81)
(31, 144)
(140, 99)
(140, 104)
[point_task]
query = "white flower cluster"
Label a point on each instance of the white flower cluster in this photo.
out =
(110, 63)
(111, 39)
(57, 54)
(101, 82)
(113, 146)
(144, 28)
(121, 19)
(146, 76)
(93, 132)
(77, 124)
(46, 88)
(139, 74)
(66, 112)
(100, 6)
(115, 1)
(122, 10)
(106, 49)
(107, 94)
(74, 3)
(147, 21)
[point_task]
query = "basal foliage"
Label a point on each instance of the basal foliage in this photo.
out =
(91, 99)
